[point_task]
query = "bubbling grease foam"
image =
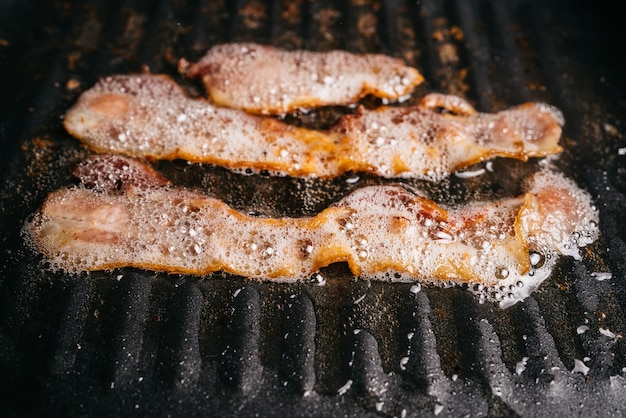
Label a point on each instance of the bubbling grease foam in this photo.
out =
(150, 116)
(268, 80)
(500, 250)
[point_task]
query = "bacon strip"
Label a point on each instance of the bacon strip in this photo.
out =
(382, 232)
(150, 116)
(266, 80)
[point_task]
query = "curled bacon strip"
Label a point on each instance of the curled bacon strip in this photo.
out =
(267, 80)
(381, 232)
(150, 116)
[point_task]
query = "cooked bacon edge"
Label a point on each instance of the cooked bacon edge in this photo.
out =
(501, 249)
(266, 80)
(152, 117)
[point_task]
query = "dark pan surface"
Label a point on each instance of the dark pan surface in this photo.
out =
(135, 343)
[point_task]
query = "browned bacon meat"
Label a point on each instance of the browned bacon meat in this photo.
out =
(151, 116)
(502, 249)
(267, 80)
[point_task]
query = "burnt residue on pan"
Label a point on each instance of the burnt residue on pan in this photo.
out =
(129, 342)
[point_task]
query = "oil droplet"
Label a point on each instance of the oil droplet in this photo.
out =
(352, 180)
(268, 251)
(415, 288)
(361, 240)
(502, 273)
(537, 260)
(305, 247)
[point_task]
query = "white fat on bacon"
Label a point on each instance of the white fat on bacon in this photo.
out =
(266, 80)
(502, 250)
(152, 117)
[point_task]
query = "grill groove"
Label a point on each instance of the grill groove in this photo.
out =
(159, 345)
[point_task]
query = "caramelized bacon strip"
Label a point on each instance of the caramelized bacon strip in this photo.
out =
(381, 232)
(266, 80)
(151, 117)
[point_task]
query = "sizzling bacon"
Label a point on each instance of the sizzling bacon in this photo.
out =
(505, 247)
(443, 134)
(266, 80)
(151, 116)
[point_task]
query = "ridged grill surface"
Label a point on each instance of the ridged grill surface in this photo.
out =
(134, 343)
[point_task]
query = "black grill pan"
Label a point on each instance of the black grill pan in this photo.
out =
(136, 343)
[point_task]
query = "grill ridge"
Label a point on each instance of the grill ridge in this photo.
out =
(158, 345)
(241, 367)
(424, 363)
(124, 335)
(180, 357)
(298, 345)
(478, 54)
(72, 319)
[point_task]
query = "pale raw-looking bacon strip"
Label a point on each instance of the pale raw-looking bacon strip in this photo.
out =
(501, 249)
(266, 80)
(150, 116)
